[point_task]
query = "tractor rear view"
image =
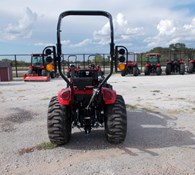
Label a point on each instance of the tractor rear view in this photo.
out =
(191, 64)
(130, 65)
(42, 68)
(175, 65)
(88, 101)
(153, 64)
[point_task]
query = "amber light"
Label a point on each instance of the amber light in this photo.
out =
(121, 66)
(49, 67)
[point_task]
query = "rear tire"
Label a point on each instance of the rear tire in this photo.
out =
(158, 71)
(182, 69)
(146, 71)
(190, 68)
(123, 73)
(68, 74)
(44, 72)
(168, 69)
(116, 121)
(135, 71)
(52, 74)
(58, 122)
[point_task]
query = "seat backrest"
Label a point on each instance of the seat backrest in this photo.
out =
(88, 73)
(82, 82)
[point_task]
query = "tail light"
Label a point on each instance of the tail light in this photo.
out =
(64, 96)
(30, 67)
(42, 67)
(109, 95)
(181, 61)
(157, 65)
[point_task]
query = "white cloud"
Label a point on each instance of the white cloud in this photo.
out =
(166, 27)
(44, 44)
(169, 33)
(22, 29)
(83, 43)
(122, 30)
(190, 27)
(66, 42)
(138, 24)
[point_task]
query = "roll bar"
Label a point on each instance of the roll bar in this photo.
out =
(59, 46)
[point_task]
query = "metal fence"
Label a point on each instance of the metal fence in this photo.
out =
(20, 62)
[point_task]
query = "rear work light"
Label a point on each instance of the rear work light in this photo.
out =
(121, 66)
(49, 67)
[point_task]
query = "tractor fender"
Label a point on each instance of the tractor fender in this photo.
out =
(108, 95)
(192, 61)
(169, 62)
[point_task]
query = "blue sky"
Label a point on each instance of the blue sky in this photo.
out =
(27, 26)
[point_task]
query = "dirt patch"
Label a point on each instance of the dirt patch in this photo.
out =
(6, 127)
(46, 98)
(20, 116)
(156, 91)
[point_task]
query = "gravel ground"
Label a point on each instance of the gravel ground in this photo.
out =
(160, 137)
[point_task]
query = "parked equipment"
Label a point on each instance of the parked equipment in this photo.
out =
(43, 66)
(153, 64)
(175, 65)
(72, 71)
(191, 65)
(131, 66)
(86, 102)
(97, 68)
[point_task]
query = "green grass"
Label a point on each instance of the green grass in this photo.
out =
(41, 146)
(131, 106)
(46, 145)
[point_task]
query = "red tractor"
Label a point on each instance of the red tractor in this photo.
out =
(130, 68)
(42, 68)
(72, 70)
(191, 65)
(153, 64)
(130, 65)
(86, 102)
(175, 65)
(97, 68)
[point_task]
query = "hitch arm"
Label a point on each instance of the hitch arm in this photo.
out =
(95, 92)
